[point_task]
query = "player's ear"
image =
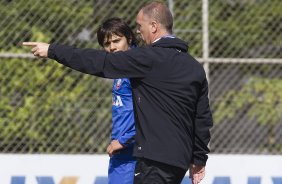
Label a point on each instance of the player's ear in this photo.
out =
(129, 41)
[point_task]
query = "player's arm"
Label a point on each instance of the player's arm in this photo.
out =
(121, 142)
(127, 138)
(128, 123)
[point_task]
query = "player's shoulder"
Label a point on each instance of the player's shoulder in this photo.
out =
(122, 83)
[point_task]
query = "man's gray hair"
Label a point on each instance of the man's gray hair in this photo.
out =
(159, 12)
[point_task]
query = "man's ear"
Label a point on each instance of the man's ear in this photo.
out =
(154, 26)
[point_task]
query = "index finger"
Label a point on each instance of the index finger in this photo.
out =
(29, 43)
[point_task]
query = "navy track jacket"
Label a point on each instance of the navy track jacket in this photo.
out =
(170, 96)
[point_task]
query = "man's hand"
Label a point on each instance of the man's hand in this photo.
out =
(113, 147)
(39, 49)
(197, 173)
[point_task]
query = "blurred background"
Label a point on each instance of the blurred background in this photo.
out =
(48, 108)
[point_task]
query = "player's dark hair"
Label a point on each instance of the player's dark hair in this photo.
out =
(159, 12)
(115, 26)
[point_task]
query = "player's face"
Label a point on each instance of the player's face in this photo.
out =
(116, 43)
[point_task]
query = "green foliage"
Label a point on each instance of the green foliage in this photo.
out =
(46, 21)
(41, 106)
(261, 97)
(188, 24)
(41, 101)
(245, 28)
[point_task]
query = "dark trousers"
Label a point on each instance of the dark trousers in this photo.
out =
(152, 172)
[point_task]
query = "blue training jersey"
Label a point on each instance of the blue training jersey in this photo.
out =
(123, 128)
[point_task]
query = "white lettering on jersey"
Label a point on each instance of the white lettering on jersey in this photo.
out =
(118, 101)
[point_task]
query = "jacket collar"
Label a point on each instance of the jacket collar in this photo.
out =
(171, 42)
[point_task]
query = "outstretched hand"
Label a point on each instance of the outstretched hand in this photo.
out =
(197, 173)
(39, 49)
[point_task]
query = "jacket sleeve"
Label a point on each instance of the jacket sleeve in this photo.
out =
(127, 138)
(203, 124)
(130, 64)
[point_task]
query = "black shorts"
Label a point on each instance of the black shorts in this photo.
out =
(153, 172)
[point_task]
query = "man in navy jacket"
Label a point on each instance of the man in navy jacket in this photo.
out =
(170, 95)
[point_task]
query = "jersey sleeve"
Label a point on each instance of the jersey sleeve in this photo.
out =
(127, 138)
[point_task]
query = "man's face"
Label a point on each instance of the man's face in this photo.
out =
(115, 43)
(143, 27)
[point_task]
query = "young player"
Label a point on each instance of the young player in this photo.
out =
(115, 35)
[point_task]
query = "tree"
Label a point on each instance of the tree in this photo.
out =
(245, 29)
(261, 98)
(46, 107)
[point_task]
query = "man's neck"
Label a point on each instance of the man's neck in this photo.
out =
(157, 38)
